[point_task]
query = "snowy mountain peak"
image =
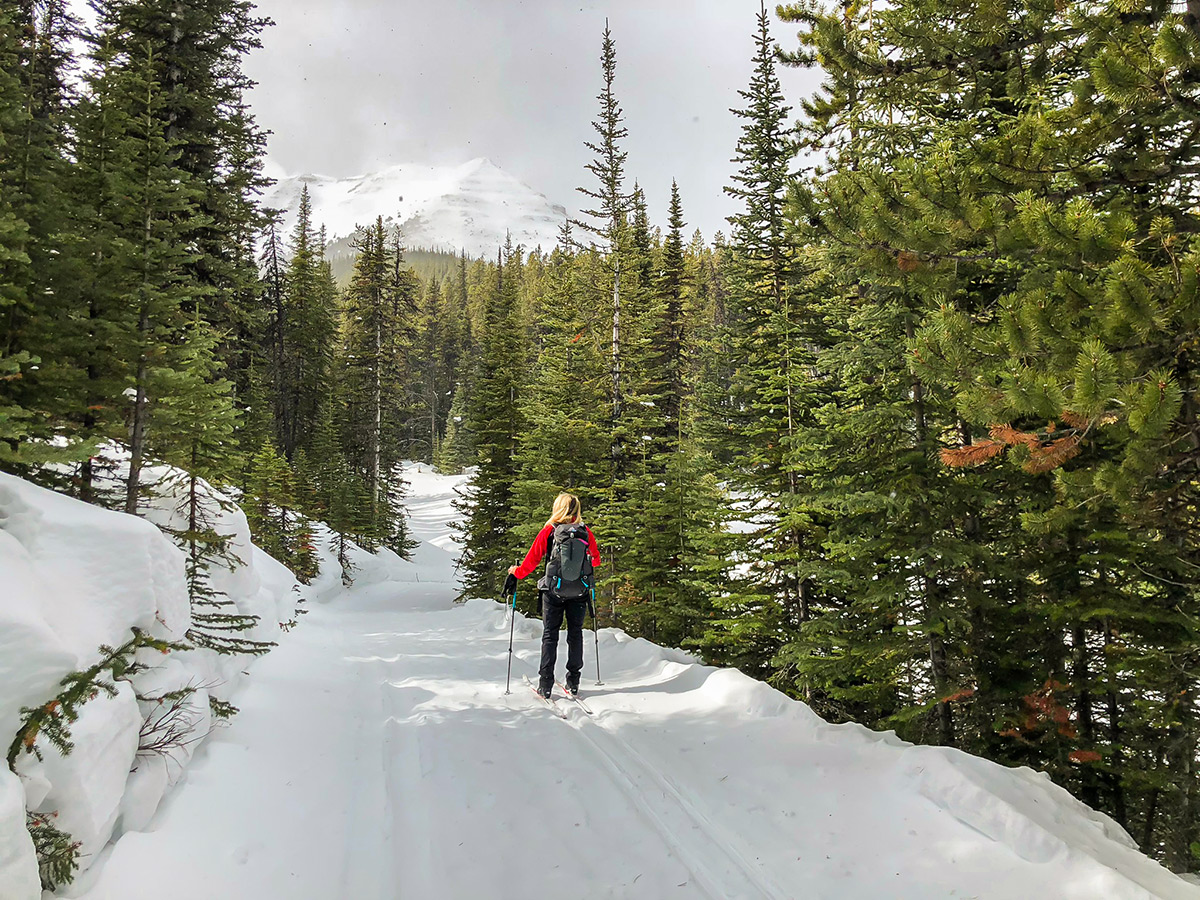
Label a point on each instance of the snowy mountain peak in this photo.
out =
(469, 207)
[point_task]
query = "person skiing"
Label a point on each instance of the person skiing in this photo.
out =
(565, 588)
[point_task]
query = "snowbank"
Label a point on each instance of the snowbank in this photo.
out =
(74, 578)
(841, 809)
(18, 865)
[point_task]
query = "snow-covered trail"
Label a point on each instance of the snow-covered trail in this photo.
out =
(376, 756)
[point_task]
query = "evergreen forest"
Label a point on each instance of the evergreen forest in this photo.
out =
(915, 441)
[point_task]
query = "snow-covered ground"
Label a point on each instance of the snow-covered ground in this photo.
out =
(377, 756)
(472, 206)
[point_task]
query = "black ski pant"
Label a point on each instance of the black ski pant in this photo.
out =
(553, 610)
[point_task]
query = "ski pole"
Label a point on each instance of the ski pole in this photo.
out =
(596, 634)
(512, 624)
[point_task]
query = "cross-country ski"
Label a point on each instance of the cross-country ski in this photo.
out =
(549, 702)
(574, 697)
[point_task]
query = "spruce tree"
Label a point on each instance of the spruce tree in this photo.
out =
(564, 443)
(495, 419)
(764, 340)
(15, 416)
(39, 302)
(307, 328)
(197, 49)
(607, 220)
(195, 422)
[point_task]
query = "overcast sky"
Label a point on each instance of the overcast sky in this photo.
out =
(355, 85)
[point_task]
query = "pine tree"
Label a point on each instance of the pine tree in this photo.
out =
(378, 309)
(141, 253)
(366, 327)
(163, 287)
(197, 49)
(273, 502)
(564, 443)
(15, 417)
(903, 635)
(670, 505)
(304, 555)
(764, 340)
(306, 324)
(38, 301)
(331, 489)
(455, 450)
(608, 219)
(431, 364)
(494, 417)
(1003, 224)
(641, 433)
(195, 422)
(673, 342)
(269, 503)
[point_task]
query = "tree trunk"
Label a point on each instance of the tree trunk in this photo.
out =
(137, 433)
(1116, 767)
(377, 401)
(933, 608)
(939, 666)
(1081, 675)
(1148, 825)
(1181, 764)
(137, 429)
(616, 347)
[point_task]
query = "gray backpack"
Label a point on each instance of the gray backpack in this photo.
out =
(568, 563)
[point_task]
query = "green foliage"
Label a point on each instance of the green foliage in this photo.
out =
(1007, 252)
(57, 854)
(52, 721)
(303, 328)
(380, 305)
(269, 498)
(768, 341)
(221, 709)
(496, 423)
(37, 292)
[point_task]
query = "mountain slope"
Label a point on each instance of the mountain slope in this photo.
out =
(452, 208)
(377, 757)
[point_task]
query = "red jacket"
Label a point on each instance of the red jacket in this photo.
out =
(537, 551)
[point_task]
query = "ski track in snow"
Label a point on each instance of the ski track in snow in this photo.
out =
(376, 757)
(666, 810)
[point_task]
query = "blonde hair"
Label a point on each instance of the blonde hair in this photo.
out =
(567, 508)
